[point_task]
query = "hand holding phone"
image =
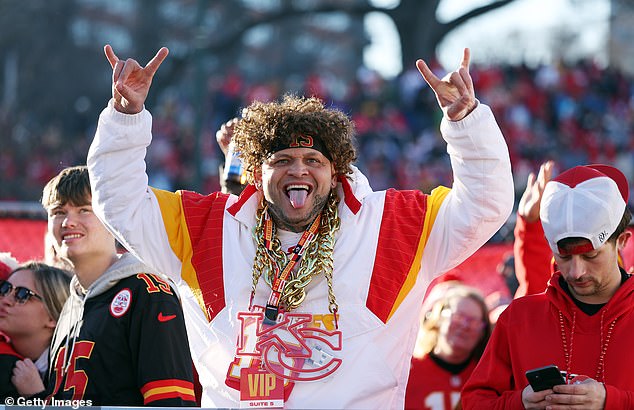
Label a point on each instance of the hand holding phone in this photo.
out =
(544, 378)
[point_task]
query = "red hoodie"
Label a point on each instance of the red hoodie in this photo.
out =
(536, 331)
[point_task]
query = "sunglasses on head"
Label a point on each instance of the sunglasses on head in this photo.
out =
(20, 293)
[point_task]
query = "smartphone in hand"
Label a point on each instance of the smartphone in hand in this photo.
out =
(544, 378)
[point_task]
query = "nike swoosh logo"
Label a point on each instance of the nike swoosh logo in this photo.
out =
(165, 318)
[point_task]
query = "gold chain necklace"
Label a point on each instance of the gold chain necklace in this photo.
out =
(316, 259)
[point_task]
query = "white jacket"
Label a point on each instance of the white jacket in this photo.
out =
(391, 244)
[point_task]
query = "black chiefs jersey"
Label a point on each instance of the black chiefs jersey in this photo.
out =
(131, 349)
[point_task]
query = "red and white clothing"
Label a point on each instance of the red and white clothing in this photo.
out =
(539, 330)
(432, 385)
(389, 247)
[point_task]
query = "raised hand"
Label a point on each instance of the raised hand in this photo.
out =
(224, 134)
(131, 82)
(454, 92)
(529, 204)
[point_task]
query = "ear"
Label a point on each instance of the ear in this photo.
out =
(50, 241)
(50, 323)
(621, 241)
(257, 178)
(333, 176)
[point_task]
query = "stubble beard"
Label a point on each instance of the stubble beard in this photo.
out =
(284, 222)
(592, 290)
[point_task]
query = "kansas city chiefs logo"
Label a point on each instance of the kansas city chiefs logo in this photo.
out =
(121, 303)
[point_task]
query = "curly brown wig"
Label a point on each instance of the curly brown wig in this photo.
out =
(264, 126)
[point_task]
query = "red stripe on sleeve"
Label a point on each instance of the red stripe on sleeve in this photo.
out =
(204, 215)
(399, 237)
(168, 389)
(166, 383)
(170, 395)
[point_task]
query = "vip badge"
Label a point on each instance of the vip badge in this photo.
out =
(260, 389)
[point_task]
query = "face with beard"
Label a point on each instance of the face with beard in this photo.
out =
(296, 183)
(593, 276)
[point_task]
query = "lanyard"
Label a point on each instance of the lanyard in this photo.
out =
(277, 287)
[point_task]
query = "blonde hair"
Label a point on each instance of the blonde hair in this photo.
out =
(430, 326)
(52, 284)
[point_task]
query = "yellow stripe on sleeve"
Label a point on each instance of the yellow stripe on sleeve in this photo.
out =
(434, 200)
(178, 236)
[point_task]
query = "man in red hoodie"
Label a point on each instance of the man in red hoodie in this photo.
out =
(584, 321)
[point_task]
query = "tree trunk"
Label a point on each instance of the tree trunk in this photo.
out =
(418, 29)
(421, 32)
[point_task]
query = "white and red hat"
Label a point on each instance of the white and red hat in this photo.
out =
(583, 202)
(7, 265)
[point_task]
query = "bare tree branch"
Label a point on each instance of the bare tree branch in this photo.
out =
(281, 14)
(474, 13)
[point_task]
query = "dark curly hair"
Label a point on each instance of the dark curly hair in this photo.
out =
(264, 126)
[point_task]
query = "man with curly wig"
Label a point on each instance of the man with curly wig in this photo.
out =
(305, 290)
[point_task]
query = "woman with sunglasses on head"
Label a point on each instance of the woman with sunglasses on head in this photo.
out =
(454, 332)
(31, 300)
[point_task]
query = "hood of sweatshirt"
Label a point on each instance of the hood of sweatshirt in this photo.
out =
(71, 317)
(351, 189)
(621, 302)
(127, 265)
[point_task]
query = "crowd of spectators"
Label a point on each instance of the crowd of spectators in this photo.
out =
(584, 111)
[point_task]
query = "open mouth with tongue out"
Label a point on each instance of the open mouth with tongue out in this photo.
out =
(297, 194)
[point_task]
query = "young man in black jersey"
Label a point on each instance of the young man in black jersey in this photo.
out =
(120, 339)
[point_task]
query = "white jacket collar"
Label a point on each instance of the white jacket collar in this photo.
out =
(352, 188)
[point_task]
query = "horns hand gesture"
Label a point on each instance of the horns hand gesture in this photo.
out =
(454, 92)
(131, 82)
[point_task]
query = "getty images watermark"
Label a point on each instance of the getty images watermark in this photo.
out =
(42, 403)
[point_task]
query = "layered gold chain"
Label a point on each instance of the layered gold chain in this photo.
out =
(316, 259)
